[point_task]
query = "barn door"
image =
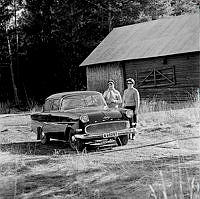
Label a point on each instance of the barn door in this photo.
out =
(156, 77)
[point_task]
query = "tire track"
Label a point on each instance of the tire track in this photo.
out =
(143, 146)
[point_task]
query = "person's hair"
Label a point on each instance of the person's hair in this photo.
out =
(130, 80)
(111, 81)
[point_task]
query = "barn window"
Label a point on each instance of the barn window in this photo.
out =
(156, 77)
(47, 105)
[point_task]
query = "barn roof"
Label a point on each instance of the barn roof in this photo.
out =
(166, 36)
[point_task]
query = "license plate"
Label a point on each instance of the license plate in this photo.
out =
(111, 134)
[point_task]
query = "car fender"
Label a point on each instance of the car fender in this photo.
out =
(70, 127)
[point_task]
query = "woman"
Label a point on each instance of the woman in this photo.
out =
(112, 96)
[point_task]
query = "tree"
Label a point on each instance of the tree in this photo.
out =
(184, 6)
(7, 35)
(51, 38)
(154, 9)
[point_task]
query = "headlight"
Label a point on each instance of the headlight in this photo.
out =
(129, 113)
(128, 125)
(84, 118)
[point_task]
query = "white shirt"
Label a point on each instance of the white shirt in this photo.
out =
(112, 97)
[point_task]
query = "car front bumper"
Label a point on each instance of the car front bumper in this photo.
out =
(112, 134)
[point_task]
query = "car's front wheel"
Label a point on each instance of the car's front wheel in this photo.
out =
(122, 140)
(75, 144)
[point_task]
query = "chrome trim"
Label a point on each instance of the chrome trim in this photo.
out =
(66, 122)
(79, 130)
(106, 118)
(58, 123)
(79, 136)
(100, 136)
(127, 124)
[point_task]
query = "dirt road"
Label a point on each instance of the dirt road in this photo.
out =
(151, 142)
(119, 172)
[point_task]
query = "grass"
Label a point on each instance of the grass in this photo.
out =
(186, 112)
(4, 107)
(158, 105)
(27, 172)
(145, 107)
(178, 182)
(8, 107)
(182, 183)
(82, 177)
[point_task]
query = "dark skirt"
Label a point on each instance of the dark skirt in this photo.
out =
(134, 118)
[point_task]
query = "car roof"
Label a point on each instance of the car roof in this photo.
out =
(72, 93)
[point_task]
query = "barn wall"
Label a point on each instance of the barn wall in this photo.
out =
(186, 70)
(98, 75)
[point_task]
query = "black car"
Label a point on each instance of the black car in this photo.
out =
(81, 118)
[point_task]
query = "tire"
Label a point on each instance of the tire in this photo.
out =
(122, 140)
(44, 138)
(75, 144)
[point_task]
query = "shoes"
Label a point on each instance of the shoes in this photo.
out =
(134, 125)
(131, 136)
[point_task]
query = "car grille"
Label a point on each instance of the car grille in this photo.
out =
(106, 127)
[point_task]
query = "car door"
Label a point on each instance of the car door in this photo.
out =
(41, 118)
(53, 124)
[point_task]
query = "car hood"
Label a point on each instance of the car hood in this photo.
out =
(94, 115)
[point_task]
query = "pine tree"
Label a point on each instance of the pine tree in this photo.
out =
(184, 6)
(158, 8)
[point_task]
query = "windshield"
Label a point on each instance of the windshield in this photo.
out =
(81, 101)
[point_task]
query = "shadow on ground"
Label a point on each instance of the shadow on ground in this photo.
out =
(127, 180)
(36, 148)
(55, 147)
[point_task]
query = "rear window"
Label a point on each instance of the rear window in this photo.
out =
(55, 105)
(47, 105)
(51, 105)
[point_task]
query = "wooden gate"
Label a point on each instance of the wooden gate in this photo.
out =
(156, 77)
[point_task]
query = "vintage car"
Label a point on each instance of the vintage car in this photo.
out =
(81, 118)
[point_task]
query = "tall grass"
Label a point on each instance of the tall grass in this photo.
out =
(157, 113)
(147, 106)
(5, 107)
(178, 182)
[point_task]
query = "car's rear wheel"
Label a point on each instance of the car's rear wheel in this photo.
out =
(44, 138)
(75, 144)
(122, 140)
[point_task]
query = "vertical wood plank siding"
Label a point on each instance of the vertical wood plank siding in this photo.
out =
(98, 75)
(187, 72)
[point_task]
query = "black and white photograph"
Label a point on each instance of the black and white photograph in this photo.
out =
(99, 99)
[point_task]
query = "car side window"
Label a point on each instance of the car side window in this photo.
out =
(91, 101)
(55, 105)
(47, 105)
(73, 102)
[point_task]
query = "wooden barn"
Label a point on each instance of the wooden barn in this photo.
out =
(163, 56)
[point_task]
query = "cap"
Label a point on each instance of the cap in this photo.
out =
(111, 81)
(130, 80)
